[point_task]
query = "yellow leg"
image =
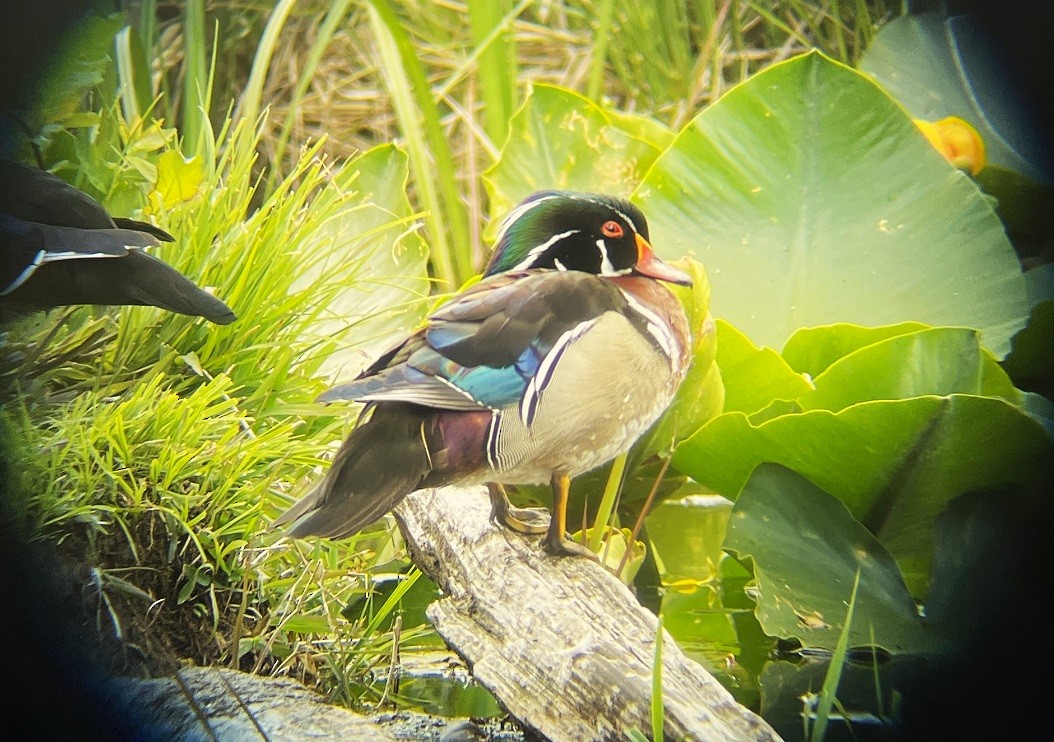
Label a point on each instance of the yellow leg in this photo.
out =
(556, 542)
(531, 521)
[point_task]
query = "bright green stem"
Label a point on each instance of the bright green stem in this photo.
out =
(249, 106)
(607, 502)
(446, 222)
(834, 670)
(497, 65)
(195, 75)
(600, 50)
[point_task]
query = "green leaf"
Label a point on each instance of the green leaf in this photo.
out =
(940, 361)
(754, 377)
(307, 624)
(811, 350)
(894, 463)
(1030, 363)
(78, 65)
(812, 198)
(807, 550)
(178, 179)
(558, 139)
(373, 236)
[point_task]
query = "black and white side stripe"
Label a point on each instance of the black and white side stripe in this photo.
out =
(532, 395)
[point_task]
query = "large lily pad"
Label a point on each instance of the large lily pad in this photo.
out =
(894, 463)
(806, 550)
(939, 360)
(559, 139)
(755, 376)
(811, 198)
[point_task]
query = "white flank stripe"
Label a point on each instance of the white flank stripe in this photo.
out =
(54, 257)
(493, 434)
(26, 273)
(559, 266)
(532, 395)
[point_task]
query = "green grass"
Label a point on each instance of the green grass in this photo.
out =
(168, 444)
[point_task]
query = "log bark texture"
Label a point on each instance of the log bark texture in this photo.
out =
(559, 641)
(210, 703)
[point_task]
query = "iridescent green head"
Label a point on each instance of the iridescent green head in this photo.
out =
(589, 232)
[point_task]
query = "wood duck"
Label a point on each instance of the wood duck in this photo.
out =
(58, 247)
(563, 355)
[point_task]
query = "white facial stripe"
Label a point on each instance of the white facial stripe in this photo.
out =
(606, 268)
(536, 251)
(519, 211)
(632, 224)
(656, 327)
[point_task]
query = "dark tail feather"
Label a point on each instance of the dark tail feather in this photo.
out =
(143, 279)
(381, 462)
(137, 279)
(138, 226)
(115, 270)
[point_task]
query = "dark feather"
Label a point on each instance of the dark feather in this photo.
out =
(381, 462)
(485, 343)
(59, 247)
(36, 195)
(147, 227)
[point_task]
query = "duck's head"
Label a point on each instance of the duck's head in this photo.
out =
(589, 232)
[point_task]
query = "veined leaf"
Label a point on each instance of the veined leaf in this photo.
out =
(558, 139)
(894, 463)
(807, 550)
(811, 197)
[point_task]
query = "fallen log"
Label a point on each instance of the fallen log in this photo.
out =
(560, 642)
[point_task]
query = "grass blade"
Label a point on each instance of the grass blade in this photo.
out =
(249, 105)
(600, 51)
(607, 502)
(497, 68)
(834, 671)
(195, 76)
(446, 222)
(126, 76)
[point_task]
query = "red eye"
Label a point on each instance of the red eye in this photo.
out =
(612, 229)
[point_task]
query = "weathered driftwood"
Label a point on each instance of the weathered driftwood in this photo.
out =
(211, 703)
(559, 641)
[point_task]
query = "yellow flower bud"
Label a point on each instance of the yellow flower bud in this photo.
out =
(957, 140)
